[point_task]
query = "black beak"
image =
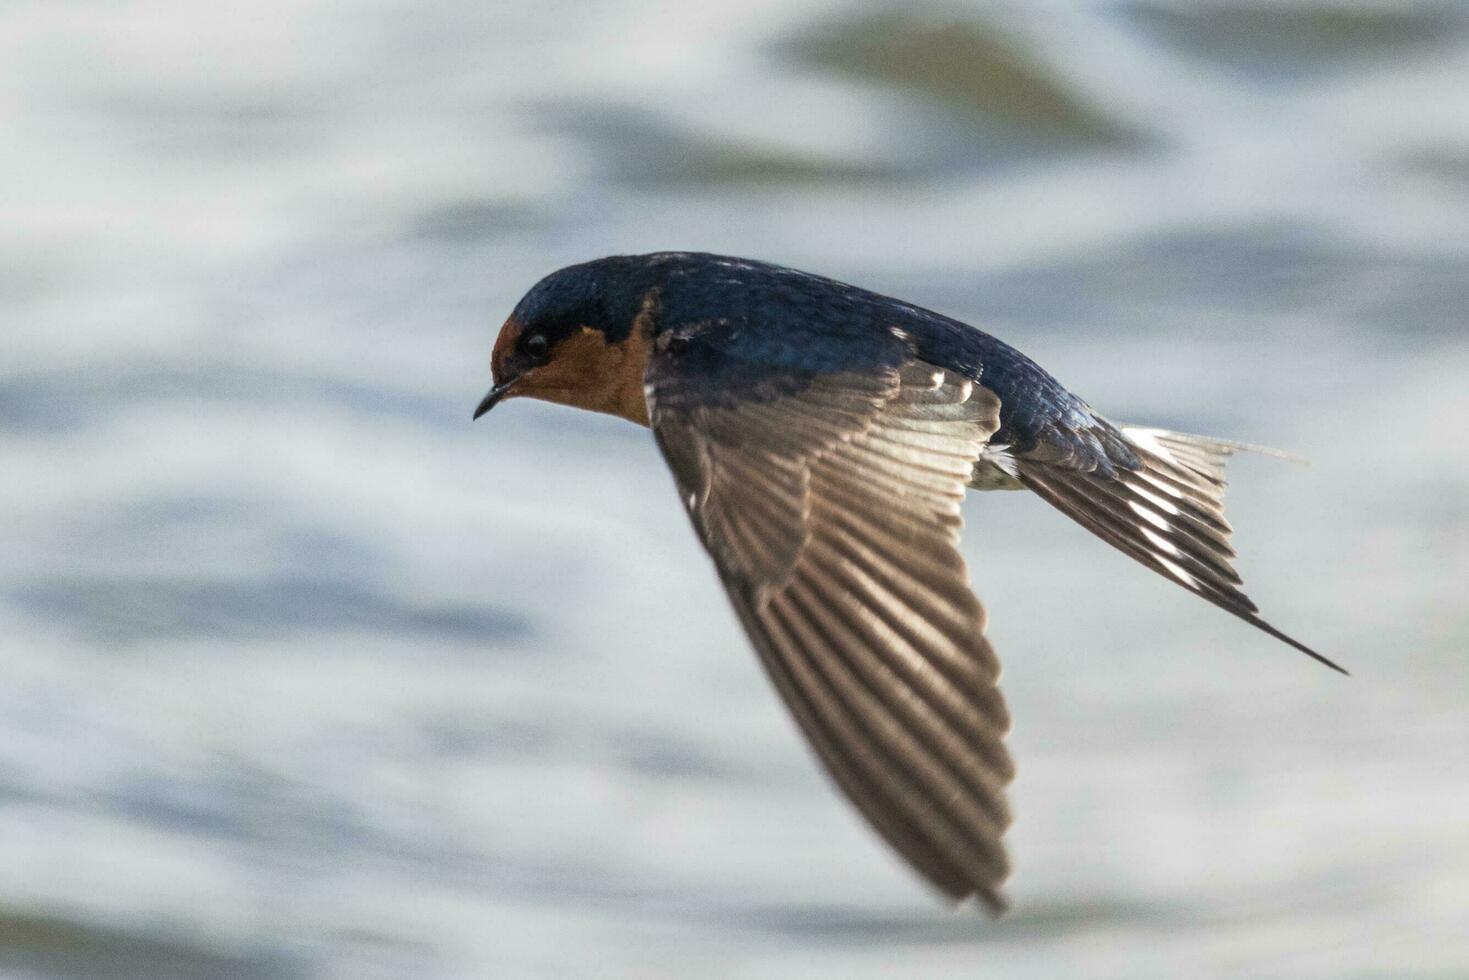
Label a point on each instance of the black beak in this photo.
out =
(492, 399)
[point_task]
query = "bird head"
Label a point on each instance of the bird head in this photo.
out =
(580, 337)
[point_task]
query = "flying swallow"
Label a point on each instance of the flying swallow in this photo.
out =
(822, 438)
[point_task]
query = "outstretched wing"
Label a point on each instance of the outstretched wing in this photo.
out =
(830, 504)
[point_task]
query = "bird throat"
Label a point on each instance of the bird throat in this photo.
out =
(591, 374)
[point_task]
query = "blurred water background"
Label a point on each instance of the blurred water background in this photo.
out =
(303, 675)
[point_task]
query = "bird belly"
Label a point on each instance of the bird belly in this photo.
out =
(995, 470)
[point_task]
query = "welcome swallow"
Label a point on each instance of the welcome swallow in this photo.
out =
(821, 438)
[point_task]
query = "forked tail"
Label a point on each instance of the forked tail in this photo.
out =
(1165, 509)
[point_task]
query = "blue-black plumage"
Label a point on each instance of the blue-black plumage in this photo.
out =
(762, 322)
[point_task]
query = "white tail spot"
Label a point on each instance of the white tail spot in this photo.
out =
(1160, 542)
(1148, 439)
(1152, 498)
(1148, 515)
(1159, 484)
(1177, 572)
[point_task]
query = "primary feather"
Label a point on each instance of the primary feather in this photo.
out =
(832, 514)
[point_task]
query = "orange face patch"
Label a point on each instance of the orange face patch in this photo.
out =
(587, 372)
(504, 344)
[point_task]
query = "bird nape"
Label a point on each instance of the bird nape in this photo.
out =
(822, 438)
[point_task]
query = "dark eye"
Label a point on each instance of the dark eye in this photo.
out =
(536, 346)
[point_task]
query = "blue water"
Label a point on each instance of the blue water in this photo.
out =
(303, 675)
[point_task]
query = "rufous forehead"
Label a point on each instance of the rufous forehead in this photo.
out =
(504, 344)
